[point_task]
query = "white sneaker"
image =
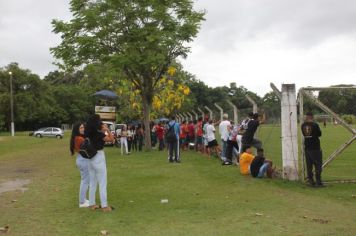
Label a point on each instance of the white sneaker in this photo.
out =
(85, 204)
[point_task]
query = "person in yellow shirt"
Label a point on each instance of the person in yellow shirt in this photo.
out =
(245, 160)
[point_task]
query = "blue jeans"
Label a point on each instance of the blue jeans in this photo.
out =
(223, 151)
(83, 166)
(263, 170)
(98, 175)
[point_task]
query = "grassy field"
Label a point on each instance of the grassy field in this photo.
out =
(205, 198)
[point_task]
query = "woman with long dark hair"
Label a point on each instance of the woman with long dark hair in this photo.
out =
(98, 133)
(82, 164)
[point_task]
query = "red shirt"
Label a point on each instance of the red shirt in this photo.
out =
(191, 130)
(200, 128)
(182, 132)
(159, 132)
(77, 142)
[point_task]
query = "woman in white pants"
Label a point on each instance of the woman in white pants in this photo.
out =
(98, 133)
(123, 140)
(82, 164)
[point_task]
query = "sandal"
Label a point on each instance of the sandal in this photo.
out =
(94, 207)
(107, 209)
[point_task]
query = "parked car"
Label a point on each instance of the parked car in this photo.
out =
(49, 132)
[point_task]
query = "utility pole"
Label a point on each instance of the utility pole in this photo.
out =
(12, 107)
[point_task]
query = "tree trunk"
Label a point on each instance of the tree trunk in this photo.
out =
(146, 106)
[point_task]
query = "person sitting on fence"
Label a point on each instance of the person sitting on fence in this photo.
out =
(246, 159)
(242, 130)
(248, 137)
(261, 166)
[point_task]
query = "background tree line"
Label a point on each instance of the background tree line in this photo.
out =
(65, 98)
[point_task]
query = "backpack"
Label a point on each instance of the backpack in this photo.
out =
(87, 149)
(171, 135)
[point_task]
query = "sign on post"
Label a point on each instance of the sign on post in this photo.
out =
(106, 112)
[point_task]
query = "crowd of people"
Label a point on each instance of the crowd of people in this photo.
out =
(237, 141)
(130, 138)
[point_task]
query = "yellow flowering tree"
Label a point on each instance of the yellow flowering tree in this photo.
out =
(170, 96)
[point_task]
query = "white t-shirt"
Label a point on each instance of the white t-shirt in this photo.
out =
(204, 129)
(210, 132)
(223, 129)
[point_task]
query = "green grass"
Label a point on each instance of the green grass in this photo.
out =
(342, 168)
(205, 198)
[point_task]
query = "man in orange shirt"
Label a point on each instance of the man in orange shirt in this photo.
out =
(245, 160)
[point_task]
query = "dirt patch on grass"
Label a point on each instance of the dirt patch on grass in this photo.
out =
(14, 185)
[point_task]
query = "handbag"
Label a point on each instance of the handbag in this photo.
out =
(87, 150)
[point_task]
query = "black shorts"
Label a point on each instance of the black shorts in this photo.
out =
(213, 143)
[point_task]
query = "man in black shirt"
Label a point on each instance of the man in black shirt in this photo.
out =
(313, 154)
(248, 137)
(260, 165)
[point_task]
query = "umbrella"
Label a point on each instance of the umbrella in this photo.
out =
(163, 119)
(106, 95)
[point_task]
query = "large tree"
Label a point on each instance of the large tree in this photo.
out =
(142, 38)
(34, 104)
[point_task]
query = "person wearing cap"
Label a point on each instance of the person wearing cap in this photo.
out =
(224, 130)
(248, 137)
(313, 153)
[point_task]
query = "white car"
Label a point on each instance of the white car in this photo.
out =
(49, 132)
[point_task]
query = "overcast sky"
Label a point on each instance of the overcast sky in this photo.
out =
(250, 42)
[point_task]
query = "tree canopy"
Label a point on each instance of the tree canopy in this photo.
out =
(66, 98)
(140, 38)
